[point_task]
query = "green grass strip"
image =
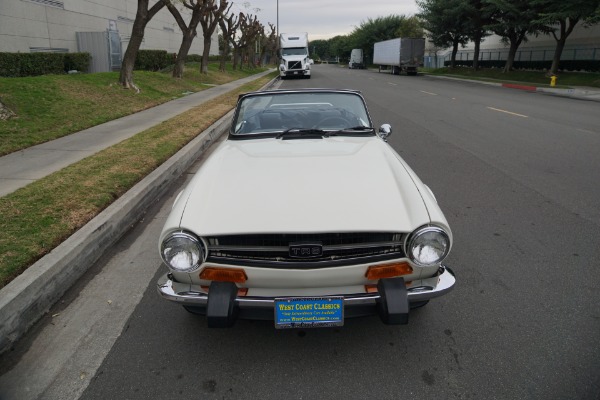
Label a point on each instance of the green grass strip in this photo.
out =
(51, 106)
(40, 216)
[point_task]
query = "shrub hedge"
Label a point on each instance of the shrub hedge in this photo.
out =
(198, 58)
(152, 60)
(77, 62)
(564, 65)
(16, 65)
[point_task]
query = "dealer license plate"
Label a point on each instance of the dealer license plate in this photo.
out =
(309, 312)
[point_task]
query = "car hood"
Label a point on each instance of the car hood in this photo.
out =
(336, 184)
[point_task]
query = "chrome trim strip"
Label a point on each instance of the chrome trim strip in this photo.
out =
(285, 249)
(446, 281)
(327, 261)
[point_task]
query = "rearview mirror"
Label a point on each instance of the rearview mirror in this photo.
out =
(385, 130)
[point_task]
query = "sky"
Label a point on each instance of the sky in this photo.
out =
(322, 19)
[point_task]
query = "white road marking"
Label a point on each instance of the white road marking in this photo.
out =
(432, 94)
(585, 131)
(394, 84)
(508, 112)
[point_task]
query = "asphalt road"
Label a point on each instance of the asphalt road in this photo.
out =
(516, 174)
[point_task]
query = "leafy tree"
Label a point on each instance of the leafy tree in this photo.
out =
(143, 15)
(478, 17)
(320, 49)
(340, 46)
(513, 20)
(560, 18)
(375, 30)
(445, 23)
(411, 27)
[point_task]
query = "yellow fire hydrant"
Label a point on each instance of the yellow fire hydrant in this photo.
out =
(553, 80)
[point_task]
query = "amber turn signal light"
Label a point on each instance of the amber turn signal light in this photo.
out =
(224, 274)
(388, 270)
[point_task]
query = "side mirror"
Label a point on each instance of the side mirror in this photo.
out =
(385, 130)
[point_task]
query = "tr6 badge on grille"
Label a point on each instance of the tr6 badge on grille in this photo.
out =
(306, 250)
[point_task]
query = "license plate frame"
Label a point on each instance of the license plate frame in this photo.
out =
(309, 312)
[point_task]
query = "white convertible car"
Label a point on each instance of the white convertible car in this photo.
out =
(304, 216)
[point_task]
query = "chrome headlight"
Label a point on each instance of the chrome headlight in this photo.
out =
(427, 246)
(182, 252)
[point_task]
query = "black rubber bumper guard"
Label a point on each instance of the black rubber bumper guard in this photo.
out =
(393, 305)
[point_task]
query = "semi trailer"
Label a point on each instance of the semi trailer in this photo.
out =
(401, 54)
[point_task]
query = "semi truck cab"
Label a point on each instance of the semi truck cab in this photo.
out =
(293, 52)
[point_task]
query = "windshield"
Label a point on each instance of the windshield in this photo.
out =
(294, 51)
(278, 112)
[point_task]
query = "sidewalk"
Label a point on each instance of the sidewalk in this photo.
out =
(581, 93)
(20, 168)
(30, 295)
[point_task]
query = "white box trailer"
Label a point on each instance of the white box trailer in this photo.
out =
(401, 54)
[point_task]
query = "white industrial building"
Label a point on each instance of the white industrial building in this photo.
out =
(100, 27)
(582, 44)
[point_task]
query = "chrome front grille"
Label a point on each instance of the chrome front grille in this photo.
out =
(273, 250)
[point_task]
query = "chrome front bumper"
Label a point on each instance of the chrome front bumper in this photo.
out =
(263, 307)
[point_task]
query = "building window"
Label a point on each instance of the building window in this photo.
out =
(47, 50)
(50, 3)
(125, 19)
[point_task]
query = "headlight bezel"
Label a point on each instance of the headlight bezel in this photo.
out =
(196, 242)
(409, 244)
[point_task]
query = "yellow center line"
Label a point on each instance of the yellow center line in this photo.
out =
(508, 112)
(433, 94)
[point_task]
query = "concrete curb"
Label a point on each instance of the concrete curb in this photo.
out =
(29, 296)
(582, 94)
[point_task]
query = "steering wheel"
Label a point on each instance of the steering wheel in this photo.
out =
(332, 122)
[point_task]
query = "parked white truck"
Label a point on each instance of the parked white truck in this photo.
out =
(293, 52)
(356, 59)
(401, 54)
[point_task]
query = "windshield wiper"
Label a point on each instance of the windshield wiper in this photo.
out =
(302, 132)
(355, 130)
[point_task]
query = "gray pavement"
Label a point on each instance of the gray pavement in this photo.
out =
(20, 168)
